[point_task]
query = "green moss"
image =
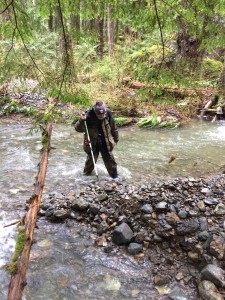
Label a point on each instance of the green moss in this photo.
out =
(44, 140)
(211, 68)
(20, 242)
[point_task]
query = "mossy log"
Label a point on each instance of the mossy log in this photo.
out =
(18, 278)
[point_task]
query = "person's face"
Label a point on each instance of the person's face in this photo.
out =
(100, 116)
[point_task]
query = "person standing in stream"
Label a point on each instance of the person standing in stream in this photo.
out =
(103, 134)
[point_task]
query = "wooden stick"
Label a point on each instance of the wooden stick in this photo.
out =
(13, 223)
(18, 279)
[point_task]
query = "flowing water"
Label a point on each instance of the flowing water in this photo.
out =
(64, 262)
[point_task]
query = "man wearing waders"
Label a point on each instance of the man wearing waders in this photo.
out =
(100, 136)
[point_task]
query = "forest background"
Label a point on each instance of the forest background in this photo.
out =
(158, 59)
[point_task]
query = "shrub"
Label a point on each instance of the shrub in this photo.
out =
(211, 68)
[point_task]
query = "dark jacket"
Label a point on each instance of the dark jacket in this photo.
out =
(108, 127)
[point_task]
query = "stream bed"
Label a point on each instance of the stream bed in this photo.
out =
(64, 261)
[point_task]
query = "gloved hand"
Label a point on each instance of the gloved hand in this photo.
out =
(83, 116)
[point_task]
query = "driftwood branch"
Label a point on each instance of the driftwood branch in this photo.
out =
(18, 278)
(13, 223)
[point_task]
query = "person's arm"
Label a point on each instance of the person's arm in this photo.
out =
(79, 126)
(114, 131)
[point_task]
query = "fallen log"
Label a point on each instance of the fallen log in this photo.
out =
(18, 277)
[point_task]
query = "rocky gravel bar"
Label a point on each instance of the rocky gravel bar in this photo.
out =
(178, 224)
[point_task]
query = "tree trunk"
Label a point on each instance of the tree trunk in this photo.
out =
(18, 279)
(187, 46)
(221, 89)
(109, 31)
(50, 22)
(57, 17)
(116, 35)
(100, 48)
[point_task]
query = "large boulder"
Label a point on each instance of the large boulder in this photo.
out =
(122, 234)
(214, 274)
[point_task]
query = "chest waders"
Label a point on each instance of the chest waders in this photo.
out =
(92, 154)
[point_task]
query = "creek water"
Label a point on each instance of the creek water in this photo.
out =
(64, 262)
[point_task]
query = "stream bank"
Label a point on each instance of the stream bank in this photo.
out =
(178, 225)
(126, 102)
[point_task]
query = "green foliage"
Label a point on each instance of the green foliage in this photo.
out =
(73, 120)
(168, 125)
(211, 68)
(9, 106)
(144, 62)
(77, 97)
(4, 100)
(20, 242)
(40, 63)
(106, 69)
(30, 50)
(84, 56)
(189, 106)
(150, 122)
(156, 122)
(122, 121)
(51, 114)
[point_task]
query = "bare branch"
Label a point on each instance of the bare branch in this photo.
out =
(24, 44)
(161, 35)
(5, 9)
(13, 223)
(65, 45)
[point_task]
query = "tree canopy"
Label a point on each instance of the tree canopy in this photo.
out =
(55, 41)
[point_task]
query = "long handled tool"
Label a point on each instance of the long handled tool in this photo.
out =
(92, 154)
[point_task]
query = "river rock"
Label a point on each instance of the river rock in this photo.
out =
(214, 274)
(211, 201)
(206, 191)
(49, 212)
(208, 291)
(182, 214)
(187, 226)
(102, 227)
(194, 256)
(160, 280)
(122, 234)
(203, 224)
(161, 206)
(172, 218)
(56, 195)
(79, 204)
(102, 197)
(201, 205)
(147, 209)
(45, 204)
(178, 294)
(61, 214)
(203, 236)
(135, 248)
(220, 209)
(217, 247)
(94, 208)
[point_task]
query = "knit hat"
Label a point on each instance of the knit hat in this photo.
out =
(99, 107)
